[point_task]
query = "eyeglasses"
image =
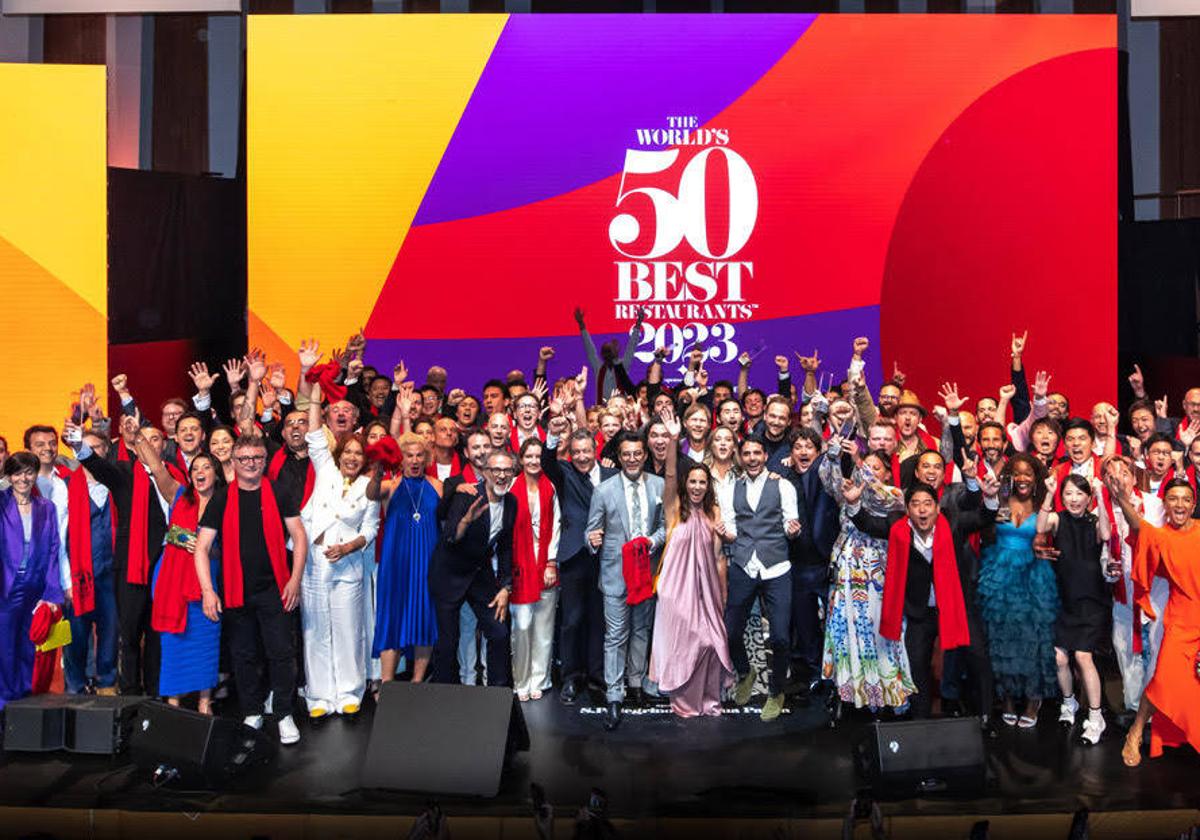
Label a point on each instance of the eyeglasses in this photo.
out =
(248, 460)
(501, 470)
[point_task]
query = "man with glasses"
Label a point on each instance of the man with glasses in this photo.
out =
(624, 508)
(478, 529)
(258, 587)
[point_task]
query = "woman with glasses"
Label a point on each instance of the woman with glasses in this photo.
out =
(404, 616)
(341, 523)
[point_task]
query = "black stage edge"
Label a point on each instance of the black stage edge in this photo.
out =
(655, 767)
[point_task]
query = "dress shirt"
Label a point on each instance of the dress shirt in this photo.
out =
(925, 547)
(787, 503)
(639, 487)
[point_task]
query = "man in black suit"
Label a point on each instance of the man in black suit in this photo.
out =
(581, 642)
(478, 528)
(479, 447)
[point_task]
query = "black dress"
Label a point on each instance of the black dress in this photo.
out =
(1082, 622)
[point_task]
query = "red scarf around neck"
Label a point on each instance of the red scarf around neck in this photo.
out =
(310, 475)
(138, 568)
(530, 558)
(514, 438)
(455, 466)
(122, 449)
(1060, 474)
(947, 588)
(177, 580)
(1189, 474)
(231, 546)
(79, 539)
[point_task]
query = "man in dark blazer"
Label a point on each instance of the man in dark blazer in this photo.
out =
(477, 529)
(581, 639)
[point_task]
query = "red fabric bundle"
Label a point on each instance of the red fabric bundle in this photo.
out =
(947, 588)
(177, 580)
(326, 374)
(45, 616)
(635, 566)
(384, 451)
(529, 565)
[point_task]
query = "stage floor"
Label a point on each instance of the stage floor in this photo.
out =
(655, 765)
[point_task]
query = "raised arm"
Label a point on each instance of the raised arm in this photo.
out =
(670, 479)
(1020, 400)
(163, 480)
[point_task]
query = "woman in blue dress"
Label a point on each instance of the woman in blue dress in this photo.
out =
(404, 616)
(1018, 598)
(191, 642)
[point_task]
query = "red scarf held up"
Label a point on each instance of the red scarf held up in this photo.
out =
(530, 558)
(177, 580)
(947, 588)
(455, 466)
(327, 374)
(310, 475)
(231, 549)
(138, 568)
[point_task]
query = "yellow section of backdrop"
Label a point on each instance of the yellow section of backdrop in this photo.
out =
(53, 241)
(347, 117)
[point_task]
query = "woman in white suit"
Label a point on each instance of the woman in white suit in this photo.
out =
(341, 524)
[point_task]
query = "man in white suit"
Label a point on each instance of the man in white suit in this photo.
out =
(624, 507)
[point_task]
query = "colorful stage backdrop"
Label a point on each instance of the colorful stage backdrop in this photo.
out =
(53, 242)
(458, 184)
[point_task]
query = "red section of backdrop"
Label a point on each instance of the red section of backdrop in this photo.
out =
(157, 370)
(1018, 166)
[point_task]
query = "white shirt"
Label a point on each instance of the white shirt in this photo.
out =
(593, 475)
(496, 519)
(535, 521)
(925, 546)
(787, 503)
(54, 489)
(443, 470)
(638, 487)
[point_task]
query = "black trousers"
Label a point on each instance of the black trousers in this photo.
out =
(261, 633)
(810, 590)
(581, 635)
(499, 647)
(139, 653)
(919, 637)
(776, 595)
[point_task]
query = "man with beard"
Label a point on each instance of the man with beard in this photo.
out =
(472, 565)
(581, 636)
(777, 420)
(991, 447)
(911, 439)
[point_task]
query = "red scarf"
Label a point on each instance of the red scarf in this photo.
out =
(79, 539)
(1181, 428)
(177, 580)
(327, 374)
(455, 466)
(182, 464)
(514, 439)
(1060, 474)
(529, 559)
(231, 548)
(1120, 593)
(1189, 474)
(635, 568)
(895, 470)
(122, 449)
(276, 466)
(138, 568)
(947, 588)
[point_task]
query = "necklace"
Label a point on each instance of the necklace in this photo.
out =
(416, 503)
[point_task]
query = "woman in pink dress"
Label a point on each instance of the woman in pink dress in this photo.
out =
(690, 654)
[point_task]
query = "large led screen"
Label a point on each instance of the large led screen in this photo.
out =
(457, 185)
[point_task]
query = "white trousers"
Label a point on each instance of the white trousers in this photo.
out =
(533, 642)
(1138, 668)
(370, 574)
(331, 615)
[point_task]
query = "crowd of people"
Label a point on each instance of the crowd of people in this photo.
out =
(635, 541)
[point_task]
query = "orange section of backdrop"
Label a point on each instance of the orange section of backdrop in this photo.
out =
(53, 241)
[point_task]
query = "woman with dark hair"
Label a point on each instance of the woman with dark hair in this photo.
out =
(220, 446)
(690, 651)
(30, 586)
(191, 642)
(535, 573)
(341, 523)
(1018, 597)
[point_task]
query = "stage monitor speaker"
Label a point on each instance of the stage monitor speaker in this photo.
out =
(186, 749)
(446, 739)
(100, 725)
(36, 724)
(923, 757)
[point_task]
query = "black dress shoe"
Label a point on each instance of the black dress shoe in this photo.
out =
(569, 692)
(612, 717)
(634, 697)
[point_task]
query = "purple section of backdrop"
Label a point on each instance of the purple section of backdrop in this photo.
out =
(469, 363)
(561, 96)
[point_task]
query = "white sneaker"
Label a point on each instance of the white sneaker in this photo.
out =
(253, 721)
(1093, 727)
(1068, 710)
(288, 733)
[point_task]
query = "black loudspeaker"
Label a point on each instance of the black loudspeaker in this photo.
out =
(922, 758)
(190, 750)
(36, 724)
(446, 739)
(100, 725)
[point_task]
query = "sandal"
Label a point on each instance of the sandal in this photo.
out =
(1010, 718)
(1131, 753)
(1028, 722)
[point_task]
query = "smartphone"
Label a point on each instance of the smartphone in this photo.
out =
(76, 414)
(847, 429)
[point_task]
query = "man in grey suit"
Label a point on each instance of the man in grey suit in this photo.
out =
(624, 507)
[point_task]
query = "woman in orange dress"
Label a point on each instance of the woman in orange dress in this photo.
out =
(1172, 552)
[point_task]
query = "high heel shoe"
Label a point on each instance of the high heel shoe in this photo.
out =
(836, 713)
